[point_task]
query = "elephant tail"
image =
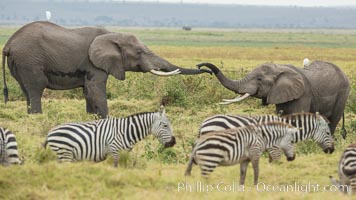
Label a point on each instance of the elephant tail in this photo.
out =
(343, 129)
(6, 91)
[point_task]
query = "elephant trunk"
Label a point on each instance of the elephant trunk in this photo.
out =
(186, 71)
(234, 85)
(165, 68)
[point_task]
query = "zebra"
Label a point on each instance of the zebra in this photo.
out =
(347, 171)
(311, 126)
(94, 140)
(241, 145)
(8, 148)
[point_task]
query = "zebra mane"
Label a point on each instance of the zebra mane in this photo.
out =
(137, 114)
(306, 113)
(274, 123)
(248, 127)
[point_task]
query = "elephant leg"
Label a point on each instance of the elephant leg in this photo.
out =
(22, 86)
(89, 107)
(24, 91)
(34, 95)
(95, 94)
(33, 83)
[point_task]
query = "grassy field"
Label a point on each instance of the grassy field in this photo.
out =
(151, 172)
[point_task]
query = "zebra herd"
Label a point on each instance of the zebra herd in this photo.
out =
(222, 140)
(241, 146)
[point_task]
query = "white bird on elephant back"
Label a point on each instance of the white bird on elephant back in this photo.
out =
(306, 62)
(48, 15)
(293, 89)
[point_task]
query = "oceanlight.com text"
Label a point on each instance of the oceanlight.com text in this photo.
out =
(222, 186)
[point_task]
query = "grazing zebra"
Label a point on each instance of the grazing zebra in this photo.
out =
(8, 148)
(311, 126)
(96, 139)
(241, 145)
(347, 171)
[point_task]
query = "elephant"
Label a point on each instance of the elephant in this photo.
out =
(45, 55)
(319, 87)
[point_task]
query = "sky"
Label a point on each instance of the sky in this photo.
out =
(309, 3)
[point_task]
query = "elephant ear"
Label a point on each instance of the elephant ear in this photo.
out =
(107, 54)
(289, 86)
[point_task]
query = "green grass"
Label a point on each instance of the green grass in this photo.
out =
(149, 171)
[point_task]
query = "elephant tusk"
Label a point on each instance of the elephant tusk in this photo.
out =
(225, 103)
(236, 99)
(160, 73)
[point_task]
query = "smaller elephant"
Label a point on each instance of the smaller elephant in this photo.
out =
(320, 87)
(44, 55)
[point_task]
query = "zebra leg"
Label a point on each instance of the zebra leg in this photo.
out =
(352, 187)
(116, 159)
(62, 159)
(207, 163)
(64, 155)
(255, 162)
(243, 170)
(206, 170)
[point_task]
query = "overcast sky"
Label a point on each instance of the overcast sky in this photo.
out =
(267, 2)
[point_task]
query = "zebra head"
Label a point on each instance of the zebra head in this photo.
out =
(287, 143)
(323, 135)
(162, 129)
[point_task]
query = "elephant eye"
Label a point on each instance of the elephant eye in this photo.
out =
(139, 52)
(259, 78)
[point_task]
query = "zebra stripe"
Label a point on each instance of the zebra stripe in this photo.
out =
(94, 140)
(347, 171)
(8, 148)
(310, 125)
(240, 145)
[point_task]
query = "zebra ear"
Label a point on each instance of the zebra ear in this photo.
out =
(162, 111)
(318, 115)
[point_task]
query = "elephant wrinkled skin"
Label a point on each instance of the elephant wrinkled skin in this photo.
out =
(320, 87)
(44, 55)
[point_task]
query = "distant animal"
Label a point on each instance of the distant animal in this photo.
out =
(8, 148)
(310, 126)
(240, 145)
(95, 140)
(187, 28)
(347, 171)
(44, 55)
(306, 62)
(321, 87)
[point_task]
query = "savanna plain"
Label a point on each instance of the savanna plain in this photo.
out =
(151, 172)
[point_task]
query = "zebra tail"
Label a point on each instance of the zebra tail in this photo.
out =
(190, 166)
(191, 161)
(6, 91)
(45, 144)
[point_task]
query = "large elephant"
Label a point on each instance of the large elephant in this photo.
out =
(44, 55)
(321, 86)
